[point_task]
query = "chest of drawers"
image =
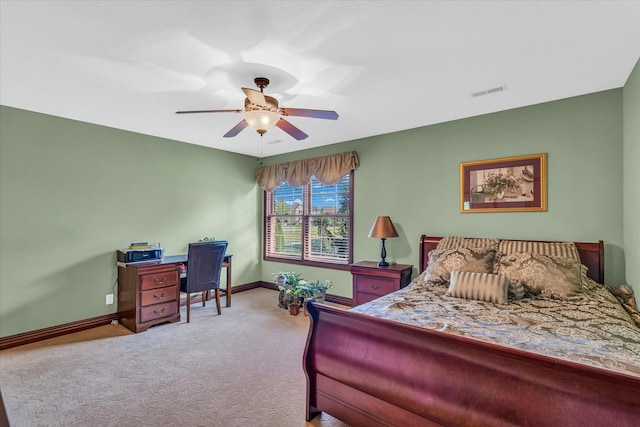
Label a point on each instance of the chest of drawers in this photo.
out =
(148, 294)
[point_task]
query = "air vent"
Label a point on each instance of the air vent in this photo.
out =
(488, 91)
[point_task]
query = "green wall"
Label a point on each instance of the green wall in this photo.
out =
(67, 201)
(72, 193)
(413, 176)
(631, 173)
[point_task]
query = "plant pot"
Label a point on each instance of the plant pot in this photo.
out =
(281, 300)
(319, 296)
(294, 310)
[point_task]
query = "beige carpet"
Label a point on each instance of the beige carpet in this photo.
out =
(243, 368)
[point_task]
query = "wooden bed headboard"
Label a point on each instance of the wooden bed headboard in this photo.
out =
(591, 255)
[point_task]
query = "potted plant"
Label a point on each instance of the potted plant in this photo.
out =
(317, 290)
(297, 299)
(290, 287)
(293, 290)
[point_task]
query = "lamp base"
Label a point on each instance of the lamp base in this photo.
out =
(383, 255)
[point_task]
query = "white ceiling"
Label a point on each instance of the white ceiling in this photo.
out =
(384, 66)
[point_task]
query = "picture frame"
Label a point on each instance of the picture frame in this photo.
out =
(507, 184)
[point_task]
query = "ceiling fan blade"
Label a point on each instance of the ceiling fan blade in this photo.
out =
(236, 129)
(209, 111)
(291, 129)
(316, 114)
(255, 97)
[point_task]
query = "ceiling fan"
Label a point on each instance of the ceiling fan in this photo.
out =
(262, 113)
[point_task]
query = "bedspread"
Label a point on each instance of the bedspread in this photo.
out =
(591, 328)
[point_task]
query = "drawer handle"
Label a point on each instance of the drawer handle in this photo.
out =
(376, 287)
(156, 296)
(158, 313)
(159, 281)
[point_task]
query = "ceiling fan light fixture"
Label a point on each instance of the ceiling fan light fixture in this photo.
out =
(261, 120)
(262, 113)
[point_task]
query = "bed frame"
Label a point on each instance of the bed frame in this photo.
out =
(369, 371)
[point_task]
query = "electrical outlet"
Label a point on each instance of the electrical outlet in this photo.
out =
(109, 299)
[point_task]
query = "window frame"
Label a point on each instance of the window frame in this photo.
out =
(305, 235)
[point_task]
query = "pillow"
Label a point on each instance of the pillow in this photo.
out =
(454, 242)
(543, 275)
(478, 286)
(441, 263)
(516, 290)
(624, 295)
(558, 249)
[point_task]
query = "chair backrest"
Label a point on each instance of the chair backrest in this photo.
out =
(204, 263)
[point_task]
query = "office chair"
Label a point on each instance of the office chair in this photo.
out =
(204, 263)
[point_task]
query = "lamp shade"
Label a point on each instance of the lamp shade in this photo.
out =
(261, 120)
(383, 228)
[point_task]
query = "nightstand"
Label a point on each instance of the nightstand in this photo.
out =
(371, 281)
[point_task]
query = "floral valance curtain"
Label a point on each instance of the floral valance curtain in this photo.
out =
(328, 170)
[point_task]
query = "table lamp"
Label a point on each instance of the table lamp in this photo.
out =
(383, 228)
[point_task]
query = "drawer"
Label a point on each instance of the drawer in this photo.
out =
(159, 279)
(362, 298)
(374, 285)
(158, 311)
(159, 295)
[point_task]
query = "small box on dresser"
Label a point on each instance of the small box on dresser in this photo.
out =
(148, 294)
(371, 281)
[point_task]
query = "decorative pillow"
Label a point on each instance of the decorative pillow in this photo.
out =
(441, 263)
(557, 249)
(478, 286)
(516, 290)
(624, 295)
(454, 242)
(541, 274)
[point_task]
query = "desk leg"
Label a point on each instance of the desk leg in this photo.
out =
(228, 291)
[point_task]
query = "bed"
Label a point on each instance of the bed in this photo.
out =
(369, 370)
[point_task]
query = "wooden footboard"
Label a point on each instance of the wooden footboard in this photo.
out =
(369, 371)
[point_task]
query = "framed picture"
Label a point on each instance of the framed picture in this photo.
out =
(508, 184)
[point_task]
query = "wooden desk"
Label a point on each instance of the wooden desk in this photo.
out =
(149, 292)
(182, 259)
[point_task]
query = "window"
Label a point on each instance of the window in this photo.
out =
(310, 225)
